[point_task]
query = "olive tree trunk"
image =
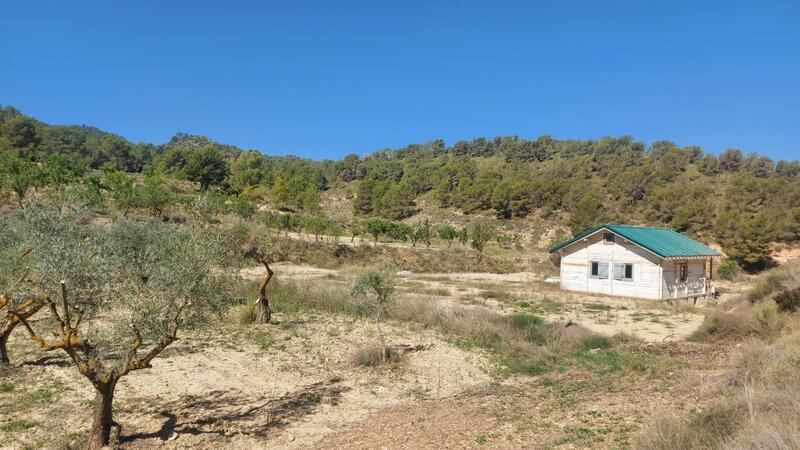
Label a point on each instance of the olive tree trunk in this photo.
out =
(263, 312)
(4, 361)
(102, 420)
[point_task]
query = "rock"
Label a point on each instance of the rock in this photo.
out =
(404, 274)
(594, 350)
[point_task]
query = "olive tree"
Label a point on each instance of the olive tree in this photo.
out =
(376, 289)
(117, 298)
(30, 238)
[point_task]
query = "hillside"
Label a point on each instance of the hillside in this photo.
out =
(746, 203)
(411, 303)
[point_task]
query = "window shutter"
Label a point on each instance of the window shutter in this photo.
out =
(602, 270)
(619, 271)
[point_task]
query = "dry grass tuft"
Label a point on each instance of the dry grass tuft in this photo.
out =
(375, 355)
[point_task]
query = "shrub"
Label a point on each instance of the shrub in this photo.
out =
(788, 301)
(728, 269)
(246, 314)
(770, 282)
(373, 355)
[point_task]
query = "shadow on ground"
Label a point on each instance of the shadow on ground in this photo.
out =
(225, 413)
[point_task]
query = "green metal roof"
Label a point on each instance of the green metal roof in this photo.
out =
(664, 242)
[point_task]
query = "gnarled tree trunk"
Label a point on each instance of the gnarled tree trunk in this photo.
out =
(263, 312)
(102, 421)
(4, 361)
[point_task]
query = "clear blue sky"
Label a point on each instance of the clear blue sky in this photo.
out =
(324, 78)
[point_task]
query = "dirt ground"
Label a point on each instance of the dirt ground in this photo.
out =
(294, 384)
(527, 292)
(286, 385)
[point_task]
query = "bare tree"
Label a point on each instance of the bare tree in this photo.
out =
(113, 314)
(263, 313)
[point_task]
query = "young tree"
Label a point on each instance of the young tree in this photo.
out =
(146, 282)
(316, 224)
(375, 227)
(60, 169)
(376, 289)
(154, 195)
(398, 231)
(19, 174)
(463, 236)
(122, 190)
(288, 223)
(423, 231)
(356, 229)
(447, 233)
(243, 208)
(480, 234)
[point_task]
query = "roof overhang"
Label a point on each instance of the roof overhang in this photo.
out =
(604, 229)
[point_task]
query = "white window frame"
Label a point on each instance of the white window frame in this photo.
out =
(623, 271)
(599, 264)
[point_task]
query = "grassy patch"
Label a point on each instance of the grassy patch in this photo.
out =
(20, 400)
(18, 425)
(595, 341)
(597, 307)
(260, 338)
(547, 306)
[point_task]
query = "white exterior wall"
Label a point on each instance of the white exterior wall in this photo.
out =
(575, 268)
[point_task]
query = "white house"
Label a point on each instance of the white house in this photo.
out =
(643, 262)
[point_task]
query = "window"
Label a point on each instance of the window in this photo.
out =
(683, 272)
(623, 272)
(608, 238)
(599, 270)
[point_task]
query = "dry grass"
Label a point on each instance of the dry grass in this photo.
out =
(375, 354)
(521, 342)
(755, 313)
(758, 402)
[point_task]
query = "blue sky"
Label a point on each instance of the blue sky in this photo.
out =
(322, 79)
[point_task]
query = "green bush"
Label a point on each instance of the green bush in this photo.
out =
(728, 269)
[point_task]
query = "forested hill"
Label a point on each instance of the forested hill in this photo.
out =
(743, 201)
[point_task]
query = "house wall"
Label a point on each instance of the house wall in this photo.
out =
(575, 268)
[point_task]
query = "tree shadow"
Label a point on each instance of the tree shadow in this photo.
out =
(224, 413)
(57, 361)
